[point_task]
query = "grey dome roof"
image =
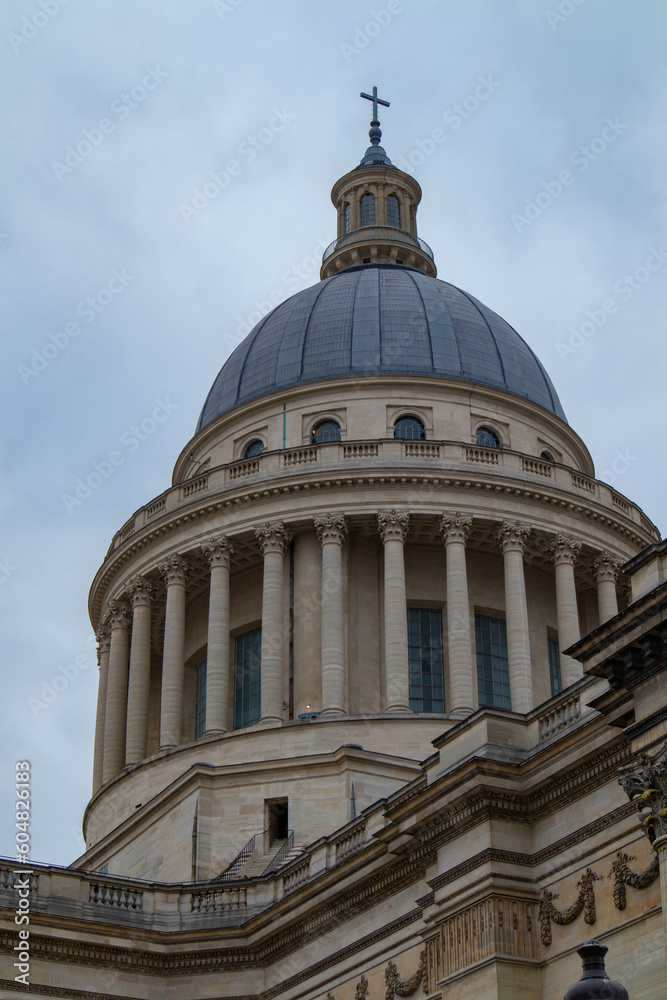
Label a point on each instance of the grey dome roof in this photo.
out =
(379, 319)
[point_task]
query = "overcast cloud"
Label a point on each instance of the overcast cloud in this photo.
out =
(543, 196)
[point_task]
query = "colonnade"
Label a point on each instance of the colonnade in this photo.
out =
(124, 637)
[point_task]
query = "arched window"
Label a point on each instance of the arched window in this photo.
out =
(409, 429)
(393, 211)
(346, 219)
(487, 438)
(255, 448)
(325, 431)
(547, 456)
(367, 207)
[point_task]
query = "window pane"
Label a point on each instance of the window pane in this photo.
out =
(347, 219)
(393, 211)
(427, 675)
(409, 429)
(253, 449)
(368, 210)
(247, 679)
(554, 667)
(327, 431)
(200, 699)
(493, 676)
(487, 438)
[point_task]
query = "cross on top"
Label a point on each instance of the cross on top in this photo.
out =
(376, 100)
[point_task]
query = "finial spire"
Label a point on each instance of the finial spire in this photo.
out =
(375, 133)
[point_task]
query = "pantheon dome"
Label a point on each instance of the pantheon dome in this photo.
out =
(382, 527)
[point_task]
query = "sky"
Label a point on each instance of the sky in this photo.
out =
(166, 173)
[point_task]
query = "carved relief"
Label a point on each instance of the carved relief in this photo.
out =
(393, 526)
(496, 924)
(623, 876)
(585, 901)
(512, 536)
(330, 528)
(361, 991)
(646, 781)
(455, 527)
(218, 551)
(273, 537)
(565, 549)
(404, 987)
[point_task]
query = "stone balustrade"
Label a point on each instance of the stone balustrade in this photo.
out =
(450, 459)
(559, 716)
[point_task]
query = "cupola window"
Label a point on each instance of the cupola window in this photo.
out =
(326, 431)
(346, 219)
(393, 212)
(409, 429)
(367, 209)
(547, 456)
(487, 438)
(254, 449)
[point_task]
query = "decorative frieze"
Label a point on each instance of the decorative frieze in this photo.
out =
(623, 876)
(646, 782)
(330, 528)
(495, 925)
(273, 537)
(585, 902)
(393, 526)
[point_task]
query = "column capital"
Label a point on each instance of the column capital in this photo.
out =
(218, 551)
(565, 549)
(607, 566)
(141, 591)
(174, 570)
(103, 636)
(455, 527)
(646, 780)
(512, 536)
(117, 615)
(393, 526)
(330, 527)
(273, 537)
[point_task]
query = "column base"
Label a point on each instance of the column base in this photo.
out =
(214, 732)
(328, 713)
(461, 713)
(168, 746)
(268, 721)
(399, 708)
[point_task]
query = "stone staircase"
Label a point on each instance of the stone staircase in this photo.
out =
(253, 861)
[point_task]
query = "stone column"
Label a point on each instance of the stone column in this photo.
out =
(103, 636)
(393, 529)
(219, 552)
(331, 530)
(565, 550)
(141, 594)
(116, 700)
(454, 529)
(512, 537)
(307, 623)
(273, 540)
(607, 568)
(173, 657)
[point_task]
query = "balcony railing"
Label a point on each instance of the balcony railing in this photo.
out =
(386, 233)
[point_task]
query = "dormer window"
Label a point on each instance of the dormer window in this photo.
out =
(487, 438)
(326, 431)
(367, 210)
(409, 428)
(393, 211)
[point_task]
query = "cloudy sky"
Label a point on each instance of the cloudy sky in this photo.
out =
(124, 290)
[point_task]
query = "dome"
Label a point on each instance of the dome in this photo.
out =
(378, 319)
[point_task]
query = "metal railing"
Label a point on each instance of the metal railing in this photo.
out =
(279, 858)
(369, 232)
(244, 854)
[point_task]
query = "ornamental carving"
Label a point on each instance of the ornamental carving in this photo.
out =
(174, 570)
(512, 536)
(140, 590)
(455, 527)
(623, 876)
(361, 991)
(585, 901)
(404, 987)
(330, 528)
(218, 551)
(393, 526)
(565, 549)
(607, 566)
(117, 615)
(273, 537)
(646, 781)
(103, 636)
